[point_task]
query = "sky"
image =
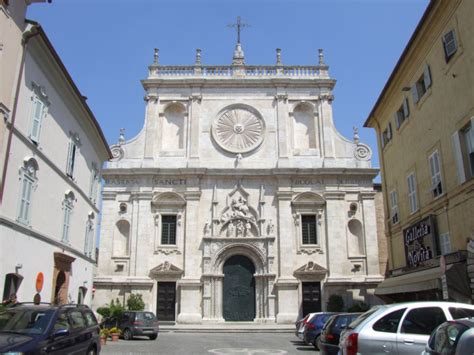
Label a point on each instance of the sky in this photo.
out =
(107, 45)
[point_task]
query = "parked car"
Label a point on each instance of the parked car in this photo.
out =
(48, 329)
(300, 325)
(402, 328)
(329, 339)
(454, 337)
(133, 323)
(313, 327)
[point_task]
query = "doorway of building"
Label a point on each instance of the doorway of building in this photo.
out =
(60, 290)
(166, 301)
(239, 289)
(311, 297)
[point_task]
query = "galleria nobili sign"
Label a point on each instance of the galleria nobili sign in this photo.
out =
(419, 242)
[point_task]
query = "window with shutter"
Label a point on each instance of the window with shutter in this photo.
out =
(402, 114)
(394, 206)
(28, 181)
(422, 84)
(450, 45)
(168, 230)
(68, 205)
(435, 171)
(468, 148)
(308, 229)
(412, 198)
(426, 77)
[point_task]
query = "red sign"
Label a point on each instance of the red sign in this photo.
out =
(39, 281)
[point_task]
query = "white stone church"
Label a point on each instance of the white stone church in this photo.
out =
(239, 200)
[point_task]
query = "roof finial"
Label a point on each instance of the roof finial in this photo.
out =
(356, 135)
(121, 139)
(238, 58)
(155, 56)
(278, 52)
(321, 56)
(239, 25)
(198, 56)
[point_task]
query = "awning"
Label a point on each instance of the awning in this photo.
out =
(430, 279)
(416, 281)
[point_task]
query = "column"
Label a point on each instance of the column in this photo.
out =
(152, 135)
(190, 286)
(194, 116)
(282, 125)
(286, 284)
(370, 233)
(336, 241)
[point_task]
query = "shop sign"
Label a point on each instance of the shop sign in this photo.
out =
(419, 242)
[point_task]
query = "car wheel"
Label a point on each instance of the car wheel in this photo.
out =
(127, 334)
(153, 336)
(316, 342)
(92, 351)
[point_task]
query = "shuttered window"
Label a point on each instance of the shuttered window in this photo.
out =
(25, 199)
(450, 45)
(394, 207)
(412, 198)
(66, 223)
(422, 84)
(435, 171)
(168, 230)
(71, 158)
(468, 135)
(37, 119)
(308, 229)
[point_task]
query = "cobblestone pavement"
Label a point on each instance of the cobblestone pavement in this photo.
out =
(170, 343)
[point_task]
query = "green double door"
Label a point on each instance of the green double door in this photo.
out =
(239, 289)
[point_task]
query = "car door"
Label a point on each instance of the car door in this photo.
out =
(382, 337)
(78, 331)
(416, 327)
(60, 344)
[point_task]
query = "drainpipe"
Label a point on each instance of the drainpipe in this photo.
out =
(30, 31)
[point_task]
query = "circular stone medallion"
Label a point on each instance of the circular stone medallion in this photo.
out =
(238, 129)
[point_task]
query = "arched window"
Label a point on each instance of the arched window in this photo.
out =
(304, 130)
(121, 238)
(355, 237)
(173, 126)
(28, 184)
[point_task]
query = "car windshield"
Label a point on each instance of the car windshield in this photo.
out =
(146, 316)
(363, 317)
(25, 321)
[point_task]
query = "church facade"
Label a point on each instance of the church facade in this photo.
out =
(238, 200)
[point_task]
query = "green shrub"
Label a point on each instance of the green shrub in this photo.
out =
(116, 308)
(358, 307)
(135, 302)
(335, 304)
(104, 311)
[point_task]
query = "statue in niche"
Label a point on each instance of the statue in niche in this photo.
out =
(240, 207)
(240, 228)
(270, 228)
(230, 230)
(207, 230)
(248, 229)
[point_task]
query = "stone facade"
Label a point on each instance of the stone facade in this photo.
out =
(248, 164)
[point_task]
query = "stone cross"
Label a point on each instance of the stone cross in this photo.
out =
(239, 25)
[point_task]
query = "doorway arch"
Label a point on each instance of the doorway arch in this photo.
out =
(60, 289)
(239, 289)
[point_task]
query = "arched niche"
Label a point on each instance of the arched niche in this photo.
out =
(121, 238)
(173, 127)
(304, 128)
(355, 238)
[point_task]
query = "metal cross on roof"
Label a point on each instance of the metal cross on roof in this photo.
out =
(239, 25)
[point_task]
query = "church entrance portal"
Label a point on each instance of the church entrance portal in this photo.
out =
(239, 289)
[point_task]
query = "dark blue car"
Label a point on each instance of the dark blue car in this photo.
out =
(314, 326)
(48, 329)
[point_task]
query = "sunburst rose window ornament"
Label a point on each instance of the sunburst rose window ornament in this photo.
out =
(238, 129)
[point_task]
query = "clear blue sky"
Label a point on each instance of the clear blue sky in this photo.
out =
(107, 45)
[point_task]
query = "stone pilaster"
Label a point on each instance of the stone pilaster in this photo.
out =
(195, 110)
(282, 125)
(152, 133)
(336, 234)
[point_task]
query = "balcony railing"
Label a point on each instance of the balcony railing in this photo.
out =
(229, 71)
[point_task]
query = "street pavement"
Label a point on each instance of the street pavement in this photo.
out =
(171, 343)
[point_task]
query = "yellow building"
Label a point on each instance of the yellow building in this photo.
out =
(424, 118)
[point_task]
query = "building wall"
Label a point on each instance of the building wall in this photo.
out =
(441, 113)
(37, 246)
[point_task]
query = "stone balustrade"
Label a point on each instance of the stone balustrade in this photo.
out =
(254, 71)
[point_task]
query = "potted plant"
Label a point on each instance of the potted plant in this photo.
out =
(115, 333)
(103, 334)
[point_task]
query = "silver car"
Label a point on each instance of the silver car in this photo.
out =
(402, 328)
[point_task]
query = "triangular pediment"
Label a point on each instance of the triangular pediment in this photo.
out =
(166, 268)
(310, 268)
